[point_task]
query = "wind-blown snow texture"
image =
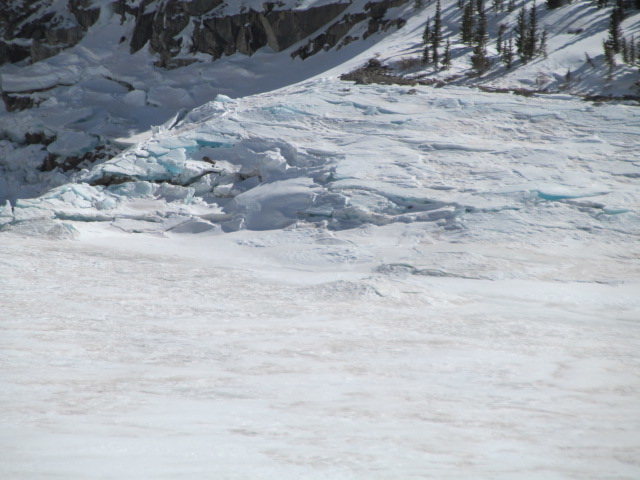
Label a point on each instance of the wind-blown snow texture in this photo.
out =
(437, 283)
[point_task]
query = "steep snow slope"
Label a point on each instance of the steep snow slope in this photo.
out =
(369, 282)
(575, 33)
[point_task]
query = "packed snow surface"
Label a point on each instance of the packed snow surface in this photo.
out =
(333, 281)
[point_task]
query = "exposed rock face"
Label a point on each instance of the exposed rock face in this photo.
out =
(35, 30)
(375, 15)
(247, 32)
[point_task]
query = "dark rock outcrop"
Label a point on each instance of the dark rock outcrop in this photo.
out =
(245, 33)
(29, 29)
(374, 13)
(32, 30)
(228, 34)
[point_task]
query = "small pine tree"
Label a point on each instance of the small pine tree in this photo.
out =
(502, 29)
(615, 32)
(511, 6)
(542, 48)
(588, 59)
(479, 60)
(446, 58)
(507, 53)
(437, 34)
(426, 55)
(426, 38)
(609, 56)
(531, 41)
(521, 33)
(426, 34)
(632, 50)
(624, 49)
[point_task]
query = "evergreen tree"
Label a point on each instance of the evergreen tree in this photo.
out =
(466, 30)
(531, 42)
(481, 35)
(615, 32)
(521, 33)
(426, 34)
(511, 6)
(542, 49)
(426, 37)
(446, 58)
(624, 50)
(632, 50)
(502, 29)
(437, 34)
(426, 55)
(588, 59)
(498, 5)
(609, 56)
(479, 60)
(507, 53)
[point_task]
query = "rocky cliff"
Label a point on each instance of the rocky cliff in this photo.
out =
(174, 30)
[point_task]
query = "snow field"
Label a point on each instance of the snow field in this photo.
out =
(154, 358)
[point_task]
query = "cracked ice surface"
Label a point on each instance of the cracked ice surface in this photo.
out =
(346, 157)
(334, 281)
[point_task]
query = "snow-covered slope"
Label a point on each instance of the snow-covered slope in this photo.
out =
(573, 61)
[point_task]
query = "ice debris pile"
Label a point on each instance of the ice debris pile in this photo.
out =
(341, 156)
